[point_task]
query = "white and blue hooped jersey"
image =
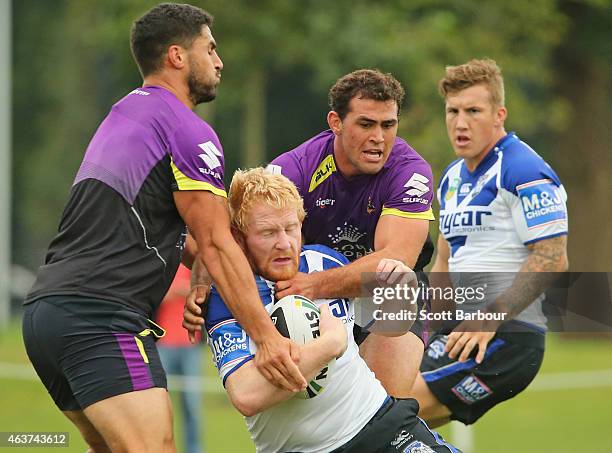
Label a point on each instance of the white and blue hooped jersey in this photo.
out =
(352, 394)
(489, 216)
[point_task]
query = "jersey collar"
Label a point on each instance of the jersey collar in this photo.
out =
(491, 156)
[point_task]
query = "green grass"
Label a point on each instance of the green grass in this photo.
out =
(545, 421)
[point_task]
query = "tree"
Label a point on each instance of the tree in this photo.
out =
(281, 58)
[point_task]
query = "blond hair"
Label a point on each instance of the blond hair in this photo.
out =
(474, 72)
(255, 185)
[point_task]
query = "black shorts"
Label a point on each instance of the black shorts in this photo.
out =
(85, 350)
(396, 429)
(511, 362)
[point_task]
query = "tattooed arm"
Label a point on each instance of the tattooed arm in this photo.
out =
(546, 258)
(538, 272)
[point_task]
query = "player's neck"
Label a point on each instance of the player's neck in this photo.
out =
(176, 88)
(472, 163)
(346, 169)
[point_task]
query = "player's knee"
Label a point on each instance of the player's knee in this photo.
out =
(90, 434)
(165, 438)
(153, 438)
(434, 412)
(161, 440)
(161, 443)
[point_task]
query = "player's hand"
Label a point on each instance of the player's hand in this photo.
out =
(467, 336)
(392, 272)
(302, 284)
(276, 359)
(332, 328)
(193, 318)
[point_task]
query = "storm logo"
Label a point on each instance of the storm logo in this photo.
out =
(347, 241)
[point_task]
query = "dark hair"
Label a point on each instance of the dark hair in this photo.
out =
(365, 84)
(162, 26)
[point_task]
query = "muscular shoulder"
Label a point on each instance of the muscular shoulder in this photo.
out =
(522, 165)
(406, 164)
(152, 106)
(307, 154)
(302, 162)
(406, 181)
(403, 155)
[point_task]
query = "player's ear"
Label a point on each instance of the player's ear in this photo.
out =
(239, 237)
(334, 122)
(501, 115)
(176, 56)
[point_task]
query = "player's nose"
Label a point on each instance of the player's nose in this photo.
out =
(218, 62)
(283, 242)
(377, 135)
(461, 122)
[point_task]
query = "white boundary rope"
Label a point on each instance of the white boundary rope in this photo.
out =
(546, 382)
(23, 372)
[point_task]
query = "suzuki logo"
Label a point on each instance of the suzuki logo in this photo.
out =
(417, 185)
(211, 154)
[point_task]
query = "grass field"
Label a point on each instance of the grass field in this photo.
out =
(566, 420)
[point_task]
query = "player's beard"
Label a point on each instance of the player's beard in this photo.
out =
(200, 91)
(279, 274)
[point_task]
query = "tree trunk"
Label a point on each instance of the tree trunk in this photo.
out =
(585, 160)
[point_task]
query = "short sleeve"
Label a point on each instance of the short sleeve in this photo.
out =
(229, 343)
(197, 159)
(288, 164)
(410, 189)
(535, 196)
(539, 210)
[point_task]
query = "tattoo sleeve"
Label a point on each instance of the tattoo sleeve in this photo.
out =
(546, 259)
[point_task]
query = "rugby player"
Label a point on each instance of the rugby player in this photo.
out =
(152, 166)
(354, 412)
(503, 226)
(368, 195)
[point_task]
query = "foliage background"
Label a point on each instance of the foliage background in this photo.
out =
(72, 62)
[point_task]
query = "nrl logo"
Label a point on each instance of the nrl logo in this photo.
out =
(452, 189)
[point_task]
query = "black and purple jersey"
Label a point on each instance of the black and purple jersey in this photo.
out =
(120, 237)
(343, 213)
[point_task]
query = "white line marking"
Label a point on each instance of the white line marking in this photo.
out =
(543, 383)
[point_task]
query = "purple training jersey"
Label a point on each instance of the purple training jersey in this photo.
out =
(120, 237)
(343, 213)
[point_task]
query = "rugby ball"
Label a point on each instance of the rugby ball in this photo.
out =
(297, 318)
